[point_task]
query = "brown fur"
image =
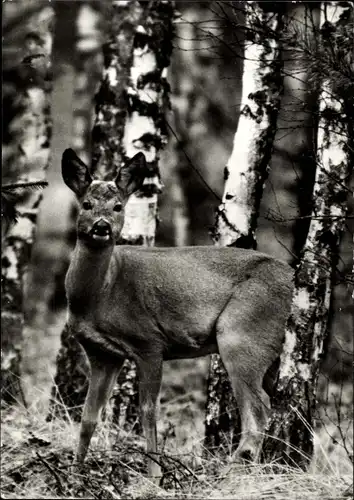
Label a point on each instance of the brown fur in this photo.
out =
(154, 304)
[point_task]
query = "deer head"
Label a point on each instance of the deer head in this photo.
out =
(102, 203)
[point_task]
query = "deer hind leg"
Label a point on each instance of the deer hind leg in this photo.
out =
(249, 338)
(103, 377)
(251, 399)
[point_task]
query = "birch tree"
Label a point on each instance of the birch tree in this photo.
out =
(144, 130)
(25, 158)
(245, 175)
(294, 402)
(130, 103)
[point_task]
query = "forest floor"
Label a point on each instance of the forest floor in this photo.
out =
(36, 454)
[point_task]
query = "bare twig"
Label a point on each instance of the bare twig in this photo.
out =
(53, 472)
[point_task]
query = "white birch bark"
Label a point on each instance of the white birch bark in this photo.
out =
(246, 169)
(295, 399)
(245, 175)
(141, 210)
(25, 157)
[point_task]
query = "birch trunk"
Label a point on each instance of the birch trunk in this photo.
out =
(144, 130)
(294, 402)
(71, 378)
(245, 175)
(25, 157)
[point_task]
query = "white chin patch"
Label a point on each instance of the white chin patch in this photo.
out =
(100, 238)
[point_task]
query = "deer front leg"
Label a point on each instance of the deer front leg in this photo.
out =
(150, 375)
(103, 377)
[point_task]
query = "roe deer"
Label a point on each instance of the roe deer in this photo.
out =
(155, 304)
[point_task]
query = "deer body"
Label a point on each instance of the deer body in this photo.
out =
(155, 304)
(170, 298)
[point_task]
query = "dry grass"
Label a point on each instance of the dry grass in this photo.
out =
(36, 457)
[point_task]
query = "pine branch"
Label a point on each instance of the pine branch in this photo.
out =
(9, 193)
(24, 185)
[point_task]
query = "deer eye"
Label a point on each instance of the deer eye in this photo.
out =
(86, 205)
(117, 207)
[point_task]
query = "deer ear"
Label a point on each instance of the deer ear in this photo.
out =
(131, 176)
(75, 173)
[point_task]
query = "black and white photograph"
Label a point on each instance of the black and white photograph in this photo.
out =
(177, 278)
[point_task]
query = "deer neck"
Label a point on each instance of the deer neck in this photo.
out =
(87, 276)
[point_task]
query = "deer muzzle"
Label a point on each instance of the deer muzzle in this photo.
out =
(101, 230)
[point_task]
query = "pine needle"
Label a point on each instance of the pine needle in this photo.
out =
(24, 185)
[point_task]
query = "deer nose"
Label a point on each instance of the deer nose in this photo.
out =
(101, 228)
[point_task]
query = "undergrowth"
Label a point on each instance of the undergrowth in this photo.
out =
(36, 462)
(36, 455)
